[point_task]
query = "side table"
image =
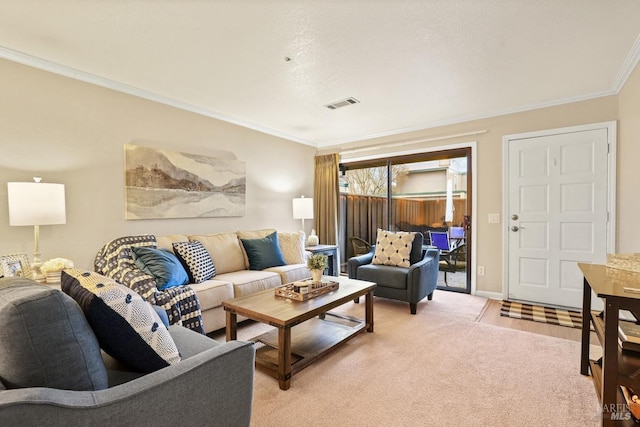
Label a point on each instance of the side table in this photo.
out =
(331, 251)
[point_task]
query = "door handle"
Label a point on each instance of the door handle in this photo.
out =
(514, 217)
(516, 228)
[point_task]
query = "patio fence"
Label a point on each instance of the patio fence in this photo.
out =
(361, 216)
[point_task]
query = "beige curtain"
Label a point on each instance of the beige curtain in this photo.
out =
(325, 198)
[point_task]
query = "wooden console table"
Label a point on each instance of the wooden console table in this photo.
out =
(619, 289)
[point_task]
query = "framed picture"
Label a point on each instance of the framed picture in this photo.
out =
(16, 265)
(170, 184)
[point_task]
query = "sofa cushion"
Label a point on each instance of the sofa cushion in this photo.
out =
(389, 276)
(166, 242)
(393, 248)
(224, 249)
(126, 326)
(46, 340)
(196, 260)
(292, 246)
(291, 272)
(161, 264)
(249, 281)
(263, 253)
(212, 292)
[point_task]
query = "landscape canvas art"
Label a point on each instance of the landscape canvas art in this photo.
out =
(169, 184)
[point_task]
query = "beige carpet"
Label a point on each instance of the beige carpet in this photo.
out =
(437, 368)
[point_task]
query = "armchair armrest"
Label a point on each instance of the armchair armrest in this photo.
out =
(354, 262)
(423, 275)
(170, 396)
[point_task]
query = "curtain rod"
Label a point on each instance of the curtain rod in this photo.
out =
(417, 141)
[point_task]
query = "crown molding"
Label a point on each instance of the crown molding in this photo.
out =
(629, 64)
(63, 70)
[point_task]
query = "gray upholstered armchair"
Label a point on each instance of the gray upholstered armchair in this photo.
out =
(52, 371)
(410, 284)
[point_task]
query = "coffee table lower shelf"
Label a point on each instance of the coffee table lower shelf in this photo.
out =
(309, 341)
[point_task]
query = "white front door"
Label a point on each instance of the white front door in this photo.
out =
(556, 213)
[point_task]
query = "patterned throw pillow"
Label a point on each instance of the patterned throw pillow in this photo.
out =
(127, 326)
(393, 248)
(196, 260)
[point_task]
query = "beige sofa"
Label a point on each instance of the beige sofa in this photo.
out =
(233, 277)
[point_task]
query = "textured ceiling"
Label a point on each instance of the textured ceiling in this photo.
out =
(412, 64)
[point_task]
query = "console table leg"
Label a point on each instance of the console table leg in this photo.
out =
(586, 330)
(284, 358)
(610, 362)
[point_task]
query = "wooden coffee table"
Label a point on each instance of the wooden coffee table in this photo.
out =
(305, 329)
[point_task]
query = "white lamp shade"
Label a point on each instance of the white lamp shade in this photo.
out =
(302, 208)
(36, 203)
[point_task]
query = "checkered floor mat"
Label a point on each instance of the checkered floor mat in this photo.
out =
(538, 313)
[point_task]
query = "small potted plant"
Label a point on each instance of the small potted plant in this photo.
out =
(317, 264)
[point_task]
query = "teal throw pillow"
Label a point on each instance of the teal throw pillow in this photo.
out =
(263, 253)
(161, 264)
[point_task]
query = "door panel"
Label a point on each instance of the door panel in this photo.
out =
(557, 187)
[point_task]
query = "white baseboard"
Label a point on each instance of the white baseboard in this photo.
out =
(490, 295)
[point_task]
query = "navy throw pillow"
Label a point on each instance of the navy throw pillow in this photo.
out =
(161, 264)
(263, 253)
(127, 326)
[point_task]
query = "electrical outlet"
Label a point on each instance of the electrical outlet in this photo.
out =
(480, 270)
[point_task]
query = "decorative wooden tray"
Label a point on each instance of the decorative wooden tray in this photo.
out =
(290, 290)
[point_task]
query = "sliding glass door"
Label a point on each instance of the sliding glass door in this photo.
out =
(427, 193)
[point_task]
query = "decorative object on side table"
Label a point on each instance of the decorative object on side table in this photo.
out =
(313, 240)
(15, 265)
(317, 263)
(52, 269)
(629, 262)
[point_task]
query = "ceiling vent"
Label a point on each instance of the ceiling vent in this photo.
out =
(343, 103)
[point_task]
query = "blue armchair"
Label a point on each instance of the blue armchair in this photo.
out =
(410, 284)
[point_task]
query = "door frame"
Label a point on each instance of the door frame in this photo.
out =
(473, 146)
(612, 127)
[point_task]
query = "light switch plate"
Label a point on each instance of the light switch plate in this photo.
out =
(494, 218)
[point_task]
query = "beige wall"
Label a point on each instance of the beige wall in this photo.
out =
(489, 169)
(628, 179)
(73, 133)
